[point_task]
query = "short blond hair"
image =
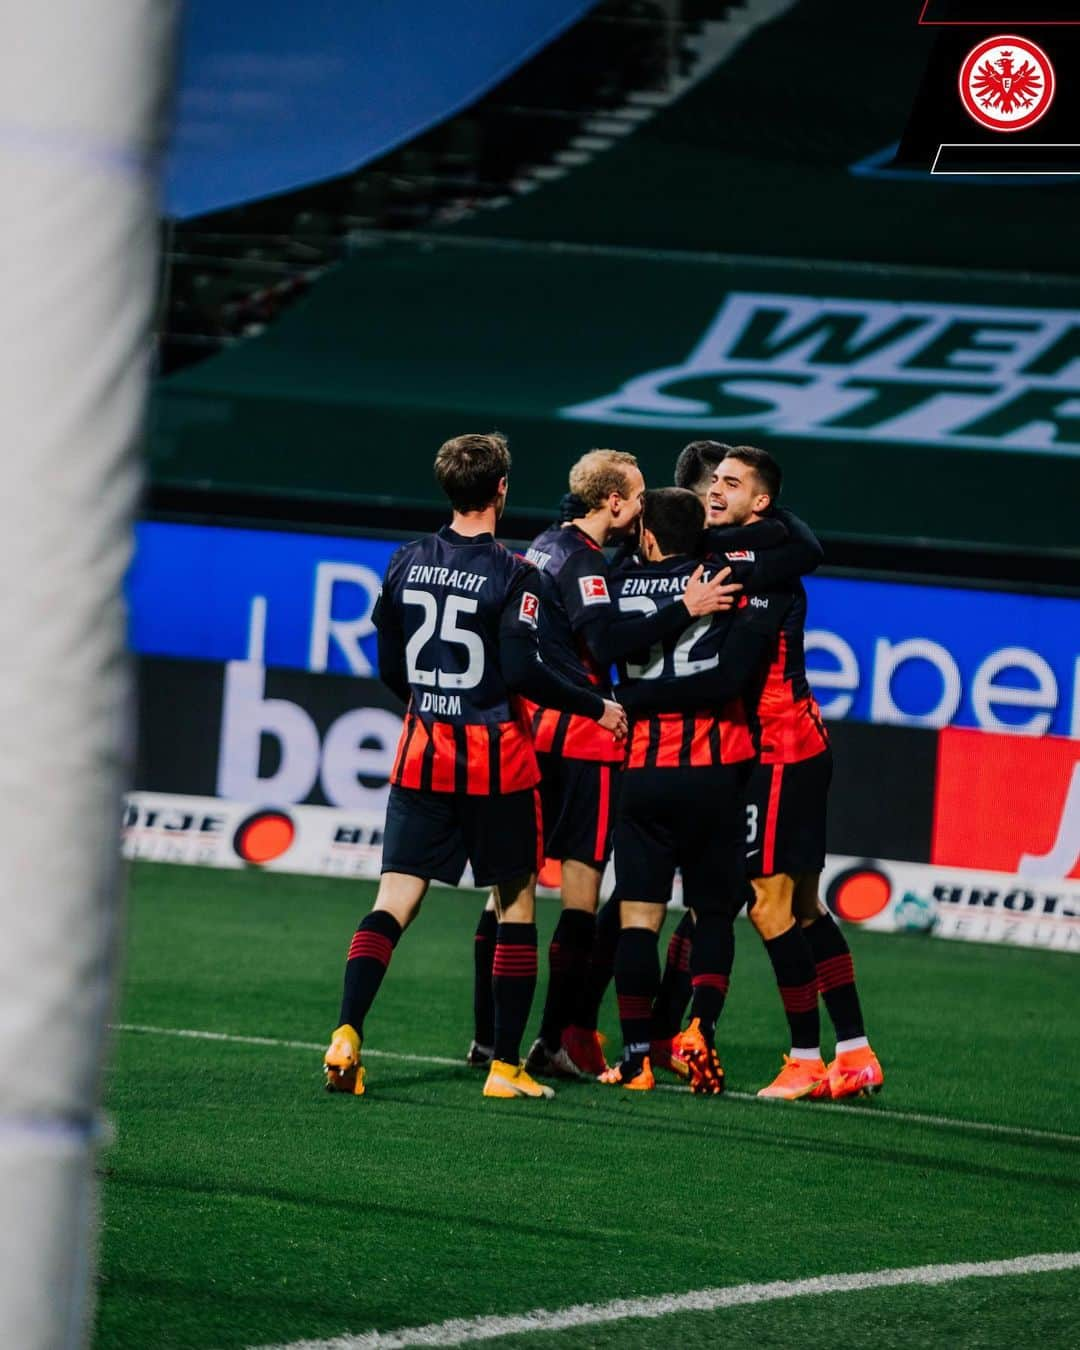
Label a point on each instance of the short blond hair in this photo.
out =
(599, 473)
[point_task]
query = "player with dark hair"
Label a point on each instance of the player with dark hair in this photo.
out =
(785, 813)
(686, 767)
(458, 620)
(770, 553)
(695, 466)
(581, 635)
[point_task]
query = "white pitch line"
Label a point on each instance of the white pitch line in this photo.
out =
(818, 1108)
(190, 1035)
(460, 1330)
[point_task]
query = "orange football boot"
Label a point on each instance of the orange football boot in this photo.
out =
(667, 1054)
(855, 1073)
(798, 1078)
(640, 1079)
(341, 1063)
(586, 1051)
(705, 1070)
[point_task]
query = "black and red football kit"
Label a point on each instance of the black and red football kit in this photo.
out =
(581, 634)
(787, 792)
(689, 748)
(458, 641)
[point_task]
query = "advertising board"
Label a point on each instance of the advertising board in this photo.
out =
(906, 654)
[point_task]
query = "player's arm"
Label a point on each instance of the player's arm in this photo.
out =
(391, 641)
(747, 646)
(612, 635)
(524, 672)
(775, 564)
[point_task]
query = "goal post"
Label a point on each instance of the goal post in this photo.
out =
(83, 91)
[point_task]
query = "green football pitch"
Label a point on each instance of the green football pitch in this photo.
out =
(243, 1206)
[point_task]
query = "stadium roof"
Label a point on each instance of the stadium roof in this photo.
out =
(273, 97)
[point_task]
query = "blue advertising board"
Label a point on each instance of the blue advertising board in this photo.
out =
(909, 654)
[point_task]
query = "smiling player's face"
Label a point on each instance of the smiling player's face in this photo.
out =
(735, 496)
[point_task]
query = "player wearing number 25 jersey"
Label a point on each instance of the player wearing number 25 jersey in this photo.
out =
(457, 622)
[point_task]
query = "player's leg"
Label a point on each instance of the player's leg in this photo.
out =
(421, 843)
(674, 996)
(637, 981)
(772, 914)
(710, 854)
(479, 1055)
(502, 839)
(645, 870)
(368, 957)
(855, 1069)
(578, 798)
(780, 800)
(601, 968)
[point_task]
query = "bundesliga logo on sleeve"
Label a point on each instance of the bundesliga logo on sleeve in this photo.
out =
(530, 607)
(594, 591)
(1007, 83)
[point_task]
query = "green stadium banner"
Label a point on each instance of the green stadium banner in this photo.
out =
(904, 404)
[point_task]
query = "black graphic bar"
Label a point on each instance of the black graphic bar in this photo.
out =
(1010, 158)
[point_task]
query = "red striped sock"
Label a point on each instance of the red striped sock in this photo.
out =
(637, 982)
(369, 954)
(796, 978)
(513, 985)
(836, 977)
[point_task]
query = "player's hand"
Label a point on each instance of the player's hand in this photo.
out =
(614, 719)
(712, 596)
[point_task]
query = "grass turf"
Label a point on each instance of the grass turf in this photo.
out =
(243, 1206)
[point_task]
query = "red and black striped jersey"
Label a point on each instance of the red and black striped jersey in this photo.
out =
(446, 602)
(575, 588)
(784, 716)
(669, 735)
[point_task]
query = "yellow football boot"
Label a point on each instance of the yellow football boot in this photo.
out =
(341, 1063)
(798, 1078)
(511, 1080)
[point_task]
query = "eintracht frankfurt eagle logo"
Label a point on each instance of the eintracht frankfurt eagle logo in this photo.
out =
(1007, 83)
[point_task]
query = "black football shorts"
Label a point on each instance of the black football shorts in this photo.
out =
(579, 797)
(433, 834)
(688, 819)
(785, 816)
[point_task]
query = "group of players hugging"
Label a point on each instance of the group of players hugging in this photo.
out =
(708, 758)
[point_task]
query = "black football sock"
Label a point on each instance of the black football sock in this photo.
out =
(601, 968)
(793, 965)
(369, 954)
(836, 977)
(637, 979)
(568, 961)
(483, 999)
(674, 992)
(710, 969)
(513, 985)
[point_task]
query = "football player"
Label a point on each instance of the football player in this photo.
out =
(785, 815)
(681, 803)
(457, 624)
